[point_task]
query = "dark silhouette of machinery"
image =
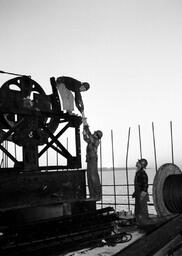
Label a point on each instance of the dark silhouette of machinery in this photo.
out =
(42, 206)
(29, 118)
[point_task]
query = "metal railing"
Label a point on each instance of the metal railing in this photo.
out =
(125, 199)
(115, 198)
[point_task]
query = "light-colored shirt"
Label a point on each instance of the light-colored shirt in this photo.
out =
(66, 97)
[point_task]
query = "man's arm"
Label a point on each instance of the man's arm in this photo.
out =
(87, 136)
(144, 182)
(144, 187)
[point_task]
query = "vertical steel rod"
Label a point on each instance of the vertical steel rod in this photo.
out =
(114, 180)
(15, 151)
(3, 155)
(1, 166)
(47, 157)
(7, 156)
(67, 143)
(1, 159)
(155, 155)
(67, 146)
(57, 159)
(101, 178)
(171, 132)
(140, 141)
(127, 179)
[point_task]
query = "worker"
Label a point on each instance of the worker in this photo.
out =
(65, 86)
(66, 97)
(93, 141)
(141, 192)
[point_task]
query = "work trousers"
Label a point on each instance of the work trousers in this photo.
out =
(141, 209)
(94, 185)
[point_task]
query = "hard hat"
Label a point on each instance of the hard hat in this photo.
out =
(98, 133)
(143, 162)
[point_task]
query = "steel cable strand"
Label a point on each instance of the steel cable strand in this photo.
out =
(117, 238)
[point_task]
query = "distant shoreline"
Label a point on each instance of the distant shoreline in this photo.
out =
(117, 168)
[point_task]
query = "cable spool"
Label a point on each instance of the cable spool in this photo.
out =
(172, 193)
(166, 190)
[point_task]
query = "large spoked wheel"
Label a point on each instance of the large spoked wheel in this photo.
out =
(20, 95)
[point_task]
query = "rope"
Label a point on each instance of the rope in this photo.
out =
(111, 240)
(118, 238)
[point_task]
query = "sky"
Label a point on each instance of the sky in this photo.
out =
(128, 50)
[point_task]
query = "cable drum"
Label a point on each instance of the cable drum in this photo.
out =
(164, 189)
(172, 193)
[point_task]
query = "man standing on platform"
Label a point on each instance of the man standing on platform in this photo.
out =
(65, 86)
(141, 192)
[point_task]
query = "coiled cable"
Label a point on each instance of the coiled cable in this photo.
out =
(172, 193)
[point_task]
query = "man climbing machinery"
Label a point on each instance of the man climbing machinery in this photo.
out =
(93, 141)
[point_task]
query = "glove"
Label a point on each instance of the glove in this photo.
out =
(84, 120)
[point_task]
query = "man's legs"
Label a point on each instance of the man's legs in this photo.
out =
(94, 185)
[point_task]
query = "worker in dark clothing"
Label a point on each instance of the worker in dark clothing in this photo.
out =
(76, 87)
(141, 192)
(93, 141)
